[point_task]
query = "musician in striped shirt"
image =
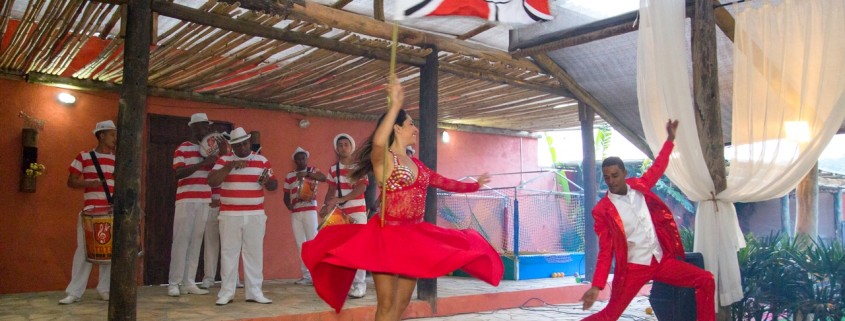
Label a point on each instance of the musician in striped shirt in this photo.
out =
(83, 175)
(193, 197)
(349, 196)
(302, 205)
(242, 175)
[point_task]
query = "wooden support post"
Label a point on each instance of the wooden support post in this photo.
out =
(130, 129)
(590, 184)
(708, 116)
(785, 216)
(427, 288)
(807, 205)
(378, 10)
(837, 214)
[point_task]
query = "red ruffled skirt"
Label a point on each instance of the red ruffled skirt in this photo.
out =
(419, 250)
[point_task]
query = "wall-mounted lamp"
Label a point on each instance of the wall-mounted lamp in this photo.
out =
(66, 98)
(304, 123)
(444, 137)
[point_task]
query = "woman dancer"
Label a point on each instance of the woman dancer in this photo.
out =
(400, 247)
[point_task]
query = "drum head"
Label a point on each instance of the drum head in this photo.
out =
(208, 144)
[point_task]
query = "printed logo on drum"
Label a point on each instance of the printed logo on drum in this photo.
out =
(103, 234)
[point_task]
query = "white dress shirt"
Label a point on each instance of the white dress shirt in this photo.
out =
(639, 229)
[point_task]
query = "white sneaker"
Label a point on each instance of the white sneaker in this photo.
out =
(70, 299)
(104, 296)
(304, 281)
(173, 290)
(357, 292)
(206, 284)
(192, 289)
(261, 299)
(223, 301)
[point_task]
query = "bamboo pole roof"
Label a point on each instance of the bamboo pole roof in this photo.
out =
(297, 65)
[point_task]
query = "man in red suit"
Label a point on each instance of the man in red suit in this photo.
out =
(637, 229)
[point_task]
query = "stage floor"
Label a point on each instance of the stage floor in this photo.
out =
(456, 295)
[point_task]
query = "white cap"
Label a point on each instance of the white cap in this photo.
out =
(299, 150)
(198, 118)
(104, 125)
(238, 135)
(343, 135)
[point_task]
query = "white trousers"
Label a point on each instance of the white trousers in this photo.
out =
(360, 280)
(82, 268)
(304, 229)
(211, 251)
(188, 228)
(242, 236)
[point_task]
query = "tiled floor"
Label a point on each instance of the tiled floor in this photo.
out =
(562, 312)
(289, 299)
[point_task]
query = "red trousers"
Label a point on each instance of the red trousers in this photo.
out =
(670, 271)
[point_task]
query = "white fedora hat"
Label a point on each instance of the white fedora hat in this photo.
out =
(238, 135)
(299, 150)
(343, 135)
(198, 118)
(104, 125)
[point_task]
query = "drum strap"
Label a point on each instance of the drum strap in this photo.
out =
(339, 195)
(102, 177)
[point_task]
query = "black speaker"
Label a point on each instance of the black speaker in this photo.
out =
(672, 303)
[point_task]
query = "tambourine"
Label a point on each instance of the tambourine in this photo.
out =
(208, 144)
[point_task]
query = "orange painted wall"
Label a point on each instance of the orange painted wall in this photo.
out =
(37, 231)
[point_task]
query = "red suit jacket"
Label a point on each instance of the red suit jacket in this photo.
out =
(611, 233)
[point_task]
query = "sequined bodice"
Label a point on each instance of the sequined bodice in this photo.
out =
(401, 176)
(406, 195)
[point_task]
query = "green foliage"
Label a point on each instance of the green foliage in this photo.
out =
(603, 136)
(785, 277)
(666, 189)
(687, 238)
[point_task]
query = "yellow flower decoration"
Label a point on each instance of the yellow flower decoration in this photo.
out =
(35, 170)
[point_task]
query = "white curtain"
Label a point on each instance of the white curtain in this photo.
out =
(787, 104)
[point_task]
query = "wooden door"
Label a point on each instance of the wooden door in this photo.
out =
(166, 133)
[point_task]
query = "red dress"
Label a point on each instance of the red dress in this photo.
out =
(406, 245)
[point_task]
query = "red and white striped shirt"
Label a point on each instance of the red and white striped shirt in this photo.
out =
(357, 205)
(194, 188)
(240, 193)
(292, 188)
(83, 165)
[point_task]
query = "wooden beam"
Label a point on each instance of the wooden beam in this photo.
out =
(82, 84)
(724, 20)
(427, 288)
(584, 96)
(476, 31)
(487, 130)
(708, 111)
(356, 23)
(593, 31)
(255, 29)
(340, 4)
(597, 30)
(132, 109)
